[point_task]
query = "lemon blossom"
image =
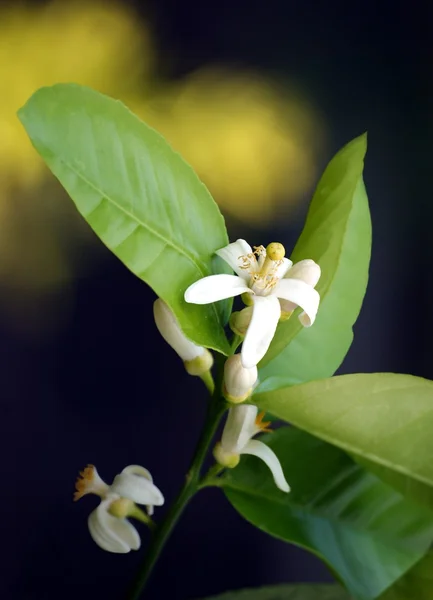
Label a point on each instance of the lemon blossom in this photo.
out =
(242, 424)
(263, 275)
(197, 360)
(108, 524)
(239, 382)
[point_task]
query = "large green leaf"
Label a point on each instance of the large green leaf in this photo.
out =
(145, 203)
(415, 585)
(337, 235)
(383, 417)
(365, 531)
(415, 490)
(287, 592)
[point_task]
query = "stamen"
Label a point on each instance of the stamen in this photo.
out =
(263, 426)
(84, 478)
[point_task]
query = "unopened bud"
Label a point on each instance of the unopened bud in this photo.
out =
(197, 360)
(201, 364)
(238, 381)
(226, 459)
(240, 320)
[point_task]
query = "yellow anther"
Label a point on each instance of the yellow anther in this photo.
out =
(275, 251)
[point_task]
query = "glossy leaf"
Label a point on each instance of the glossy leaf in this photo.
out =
(145, 203)
(287, 592)
(337, 235)
(417, 491)
(383, 417)
(366, 532)
(415, 585)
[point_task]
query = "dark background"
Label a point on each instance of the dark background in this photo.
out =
(107, 390)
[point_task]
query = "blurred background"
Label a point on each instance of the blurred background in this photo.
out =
(257, 97)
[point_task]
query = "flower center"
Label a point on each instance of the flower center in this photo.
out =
(262, 266)
(89, 482)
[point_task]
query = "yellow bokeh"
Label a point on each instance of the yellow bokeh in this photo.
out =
(252, 143)
(100, 44)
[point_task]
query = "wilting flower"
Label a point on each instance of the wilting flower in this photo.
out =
(263, 275)
(197, 360)
(241, 426)
(108, 524)
(239, 382)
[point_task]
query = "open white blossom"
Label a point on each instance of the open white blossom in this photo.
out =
(263, 274)
(108, 524)
(242, 424)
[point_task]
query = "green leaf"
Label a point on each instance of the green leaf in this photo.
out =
(415, 490)
(140, 197)
(415, 585)
(365, 531)
(287, 592)
(383, 417)
(337, 235)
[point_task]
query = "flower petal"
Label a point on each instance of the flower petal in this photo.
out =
(301, 294)
(283, 268)
(269, 457)
(214, 288)
(137, 487)
(306, 270)
(239, 428)
(231, 254)
(139, 470)
(261, 330)
(111, 533)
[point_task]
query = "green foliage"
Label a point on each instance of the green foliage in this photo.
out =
(287, 592)
(416, 585)
(365, 531)
(139, 196)
(382, 417)
(337, 235)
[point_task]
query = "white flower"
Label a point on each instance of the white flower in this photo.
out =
(197, 360)
(108, 524)
(238, 381)
(260, 273)
(241, 426)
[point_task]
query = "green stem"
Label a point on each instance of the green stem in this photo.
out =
(208, 381)
(190, 487)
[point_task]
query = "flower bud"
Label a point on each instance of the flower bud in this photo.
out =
(240, 320)
(225, 459)
(197, 360)
(238, 381)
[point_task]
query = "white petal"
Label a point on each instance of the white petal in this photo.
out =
(139, 470)
(306, 270)
(283, 268)
(238, 381)
(269, 457)
(231, 254)
(137, 488)
(301, 294)
(111, 533)
(214, 288)
(239, 428)
(169, 328)
(266, 313)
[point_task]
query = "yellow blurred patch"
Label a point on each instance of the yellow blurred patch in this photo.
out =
(252, 143)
